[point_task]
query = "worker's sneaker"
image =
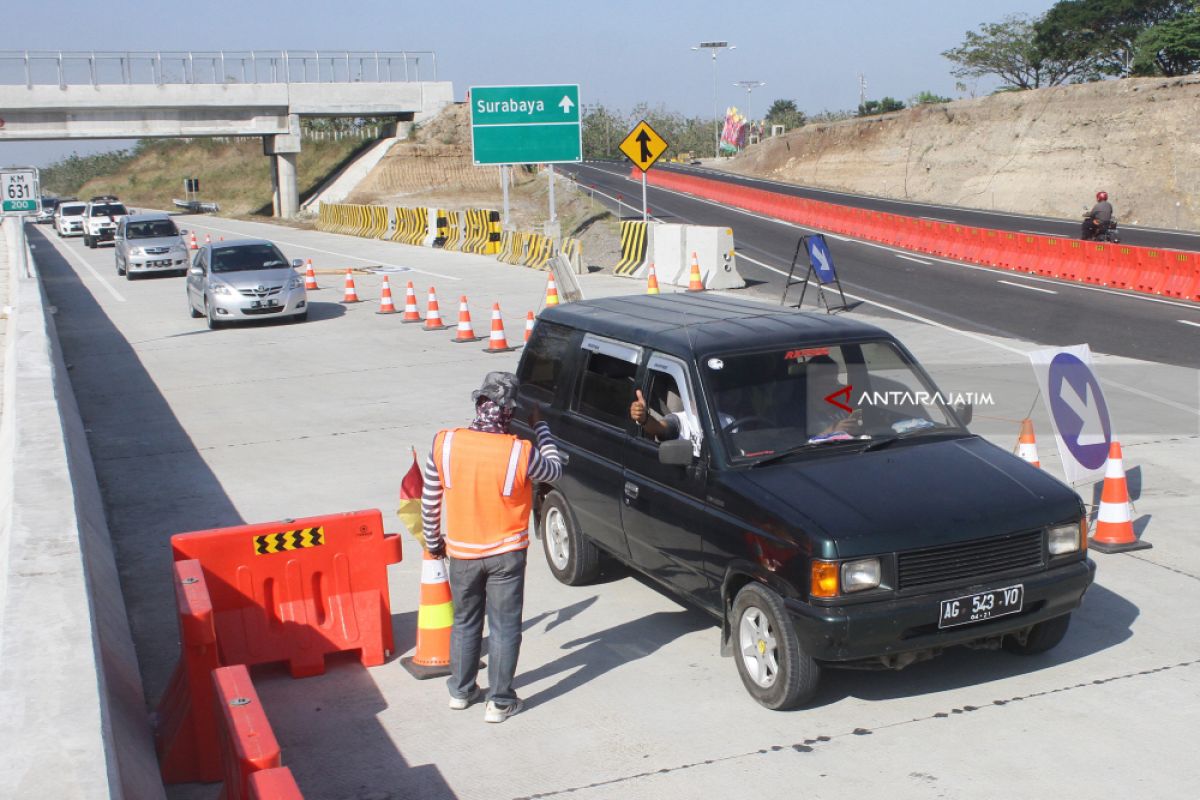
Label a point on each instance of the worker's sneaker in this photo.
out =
(459, 703)
(494, 712)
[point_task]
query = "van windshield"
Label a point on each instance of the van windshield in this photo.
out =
(154, 229)
(72, 211)
(110, 210)
(782, 400)
(247, 257)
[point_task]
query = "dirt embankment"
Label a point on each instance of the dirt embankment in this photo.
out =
(1042, 152)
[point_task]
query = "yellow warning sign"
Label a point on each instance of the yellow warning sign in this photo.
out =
(643, 145)
(281, 542)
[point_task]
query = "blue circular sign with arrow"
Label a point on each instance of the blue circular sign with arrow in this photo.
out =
(1080, 413)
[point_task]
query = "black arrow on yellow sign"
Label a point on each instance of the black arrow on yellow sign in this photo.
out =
(643, 139)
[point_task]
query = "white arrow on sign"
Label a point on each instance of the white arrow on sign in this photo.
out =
(566, 104)
(1092, 431)
(819, 255)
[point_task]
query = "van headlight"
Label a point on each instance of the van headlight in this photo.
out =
(1064, 539)
(861, 574)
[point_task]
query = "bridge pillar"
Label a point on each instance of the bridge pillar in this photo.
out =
(282, 148)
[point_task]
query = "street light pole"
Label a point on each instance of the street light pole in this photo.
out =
(749, 86)
(715, 47)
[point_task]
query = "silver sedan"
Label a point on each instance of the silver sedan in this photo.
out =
(244, 280)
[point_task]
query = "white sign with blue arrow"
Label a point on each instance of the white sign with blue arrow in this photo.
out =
(1077, 409)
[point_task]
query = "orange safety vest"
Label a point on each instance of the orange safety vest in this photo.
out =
(487, 494)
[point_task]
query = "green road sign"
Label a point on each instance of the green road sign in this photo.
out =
(525, 124)
(19, 192)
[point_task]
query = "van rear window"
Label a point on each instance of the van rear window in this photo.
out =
(543, 360)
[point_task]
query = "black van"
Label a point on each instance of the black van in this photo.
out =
(808, 485)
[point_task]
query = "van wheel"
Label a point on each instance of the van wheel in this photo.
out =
(774, 669)
(573, 559)
(1040, 638)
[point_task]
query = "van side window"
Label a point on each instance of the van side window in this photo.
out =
(544, 357)
(606, 386)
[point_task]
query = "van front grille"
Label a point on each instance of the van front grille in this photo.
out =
(967, 560)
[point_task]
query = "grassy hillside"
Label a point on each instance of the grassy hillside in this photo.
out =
(235, 174)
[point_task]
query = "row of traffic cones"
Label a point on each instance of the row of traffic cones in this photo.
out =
(1114, 520)
(695, 282)
(194, 245)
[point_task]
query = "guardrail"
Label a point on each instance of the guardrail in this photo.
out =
(64, 68)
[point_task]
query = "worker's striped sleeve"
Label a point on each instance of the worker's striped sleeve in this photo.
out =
(544, 463)
(431, 505)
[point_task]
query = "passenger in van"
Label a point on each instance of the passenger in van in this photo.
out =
(824, 418)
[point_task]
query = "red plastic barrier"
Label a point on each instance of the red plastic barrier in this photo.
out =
(1096, 263)
(1153, 273)
(247, 742)
(1183, 279)
(186, 735)
(274, 784)
(298, 590)
(1126, 263)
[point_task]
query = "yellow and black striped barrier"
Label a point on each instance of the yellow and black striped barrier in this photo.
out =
(454, 231)
(268, 543)
(493, 231)
(633, 247)
(573, 250)
(541, 249)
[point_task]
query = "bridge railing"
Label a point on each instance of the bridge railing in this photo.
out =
(87, 68)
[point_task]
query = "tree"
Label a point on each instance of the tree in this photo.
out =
(927, 98)
(1007, 50)
(1169, 48)
(883, 106)
(1101, 35)
(602, 131)
(785, 113)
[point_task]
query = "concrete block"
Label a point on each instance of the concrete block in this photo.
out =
(714, 249)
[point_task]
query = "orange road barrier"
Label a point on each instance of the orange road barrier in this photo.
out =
(298, 590)
(695, 282)
(652, 281)
(433, 315)
(310, 277)
(465, 332)
(194, 245)
(276, 783)
(411, 314)
(351, 294)
(528, 325)
(247, 742)
(186, 734)
(435, 618)
(497, 341)
(1027, 444)
(1114, 521)
(551, 291)
(386, 306)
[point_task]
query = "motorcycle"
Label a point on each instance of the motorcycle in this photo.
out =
(1099, 233)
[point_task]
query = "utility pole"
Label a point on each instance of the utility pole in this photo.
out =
(749, 86)
(862, 91)
(714, 48)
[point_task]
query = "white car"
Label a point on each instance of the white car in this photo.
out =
(100, 220)
(68, 218)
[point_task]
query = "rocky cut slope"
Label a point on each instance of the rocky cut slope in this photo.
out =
(1045, 152)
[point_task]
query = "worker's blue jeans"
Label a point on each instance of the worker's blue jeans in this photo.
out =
(495, 584)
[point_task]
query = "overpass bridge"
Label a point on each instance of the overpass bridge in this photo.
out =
(108, 95)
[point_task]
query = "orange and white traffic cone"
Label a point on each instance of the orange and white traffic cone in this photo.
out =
(435, 620)
(1027, 444)
(695, 282)
(465, 332)
(528, 325)
(411, 314)
(310, 277)
(433, 315)
(551, 292)
(207, 239)
(497, 341)
(351, 294)
(1114, 521)
(652, 281)
(194, 245)
(386, 306)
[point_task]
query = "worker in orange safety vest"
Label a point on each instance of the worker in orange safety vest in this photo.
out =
(475, 508)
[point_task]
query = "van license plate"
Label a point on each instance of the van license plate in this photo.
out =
(978, 607)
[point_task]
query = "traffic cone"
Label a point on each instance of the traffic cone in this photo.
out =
(551, 292)
(528, 325)
(652, 281)
(497, 342)
(386, 306)
(194, 245)
(1027, 444)
(207, 239)
(411, 314)
(350, 295)
(465, 332)
(433, 317)
(1114, 521)
(435, 619)
(695, 282)
(310, 277)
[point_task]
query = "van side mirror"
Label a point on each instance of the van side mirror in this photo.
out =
(676, 452)
(964, 411)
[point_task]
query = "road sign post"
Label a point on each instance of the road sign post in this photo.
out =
(20, 193)
(820, 266)
(643, 146)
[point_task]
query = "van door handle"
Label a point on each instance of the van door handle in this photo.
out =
(564, 457)
(631, 490)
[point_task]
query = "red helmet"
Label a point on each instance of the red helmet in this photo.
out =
(1101, 196)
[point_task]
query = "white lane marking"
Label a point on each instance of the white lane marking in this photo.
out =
(1189, 322)
(1150, 396)
(111, 290)
(1043, 233)
(918, 260)
(939, 219)
(1030, 288)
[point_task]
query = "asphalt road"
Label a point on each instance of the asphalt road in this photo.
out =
(967, 297)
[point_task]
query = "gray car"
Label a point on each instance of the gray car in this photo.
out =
(149, 243)
(244, 280)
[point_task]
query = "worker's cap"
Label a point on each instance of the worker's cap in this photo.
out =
(500, 388)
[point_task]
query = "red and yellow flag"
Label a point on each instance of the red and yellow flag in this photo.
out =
(409, 510)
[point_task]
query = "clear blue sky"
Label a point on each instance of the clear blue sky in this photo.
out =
(620, 52)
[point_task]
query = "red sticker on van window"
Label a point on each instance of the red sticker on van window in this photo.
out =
(808, 352)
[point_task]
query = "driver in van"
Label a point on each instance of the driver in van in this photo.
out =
(821, 375)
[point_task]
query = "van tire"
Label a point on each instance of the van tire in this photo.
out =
(757, 609)
(571, 556)
(1041, 637)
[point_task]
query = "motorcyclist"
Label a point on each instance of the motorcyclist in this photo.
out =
(1099, 219)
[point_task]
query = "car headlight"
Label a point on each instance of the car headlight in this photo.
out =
(220, 288)
(136, 251)
(1064, 539)
(295, 283)
(860, 574)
